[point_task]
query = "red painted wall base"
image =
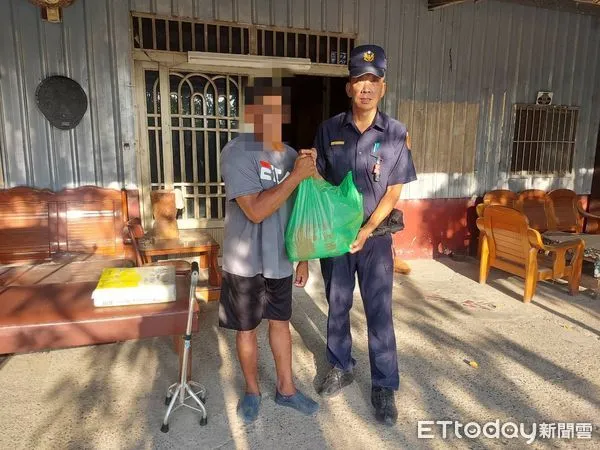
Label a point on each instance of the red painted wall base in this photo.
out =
(441, 226)
(436, 226)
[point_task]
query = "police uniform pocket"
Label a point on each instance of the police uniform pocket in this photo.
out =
(338, 159)
(335, 147)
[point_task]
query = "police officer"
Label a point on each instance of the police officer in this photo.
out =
(376, 149)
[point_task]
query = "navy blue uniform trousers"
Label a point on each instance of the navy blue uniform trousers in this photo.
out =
(374, 265)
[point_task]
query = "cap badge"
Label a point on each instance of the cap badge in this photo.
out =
(369, 56)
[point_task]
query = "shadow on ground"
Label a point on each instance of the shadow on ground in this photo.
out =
(537, 363)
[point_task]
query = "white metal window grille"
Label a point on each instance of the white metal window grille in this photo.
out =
(204, 116)
(157, 175)
(544, 139)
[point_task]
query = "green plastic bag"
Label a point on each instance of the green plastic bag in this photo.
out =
(325, 219)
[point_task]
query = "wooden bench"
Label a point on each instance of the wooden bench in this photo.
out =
(66, 238)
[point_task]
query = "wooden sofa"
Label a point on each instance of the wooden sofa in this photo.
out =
(557, 210)
(53, 247)
(37, 225)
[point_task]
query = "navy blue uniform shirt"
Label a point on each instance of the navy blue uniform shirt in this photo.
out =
(341, 148)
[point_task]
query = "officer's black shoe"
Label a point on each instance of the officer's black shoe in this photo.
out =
(335, 380)
(385, 405)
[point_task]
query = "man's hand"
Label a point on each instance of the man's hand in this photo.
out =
(312, 152)
(360, 240)
(304, 167)
(301, 274)
(309, 152)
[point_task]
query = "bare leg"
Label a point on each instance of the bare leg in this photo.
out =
(247, 349)
(280, 339)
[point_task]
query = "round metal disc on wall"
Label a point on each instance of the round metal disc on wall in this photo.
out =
(62, 101)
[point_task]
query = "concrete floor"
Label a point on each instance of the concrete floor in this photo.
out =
(538, 362)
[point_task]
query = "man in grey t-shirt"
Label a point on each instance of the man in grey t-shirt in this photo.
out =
(260, 175)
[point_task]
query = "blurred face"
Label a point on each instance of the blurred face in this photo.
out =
(267, 116)
(365, 91)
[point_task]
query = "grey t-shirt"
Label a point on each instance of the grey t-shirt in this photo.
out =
(249, 248)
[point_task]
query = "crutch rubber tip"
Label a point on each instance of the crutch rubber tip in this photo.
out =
(203, 421)
(165, 428)
(167, 400)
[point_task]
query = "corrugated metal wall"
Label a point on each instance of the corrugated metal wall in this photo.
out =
(454, 75)
(90, 46)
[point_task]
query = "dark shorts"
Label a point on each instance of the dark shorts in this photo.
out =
(245, 301)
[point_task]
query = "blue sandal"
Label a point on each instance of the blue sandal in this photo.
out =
(248, 406)
(298, 401)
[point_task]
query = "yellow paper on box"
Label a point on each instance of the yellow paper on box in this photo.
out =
(119, 278)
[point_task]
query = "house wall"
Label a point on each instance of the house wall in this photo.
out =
(454, 75)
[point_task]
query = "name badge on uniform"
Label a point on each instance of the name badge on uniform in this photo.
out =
(332, 143)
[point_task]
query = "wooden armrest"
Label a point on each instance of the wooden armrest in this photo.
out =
(586, 214)
(535, 239)
(573, 243)
(479, 223)
(479, 209)
(559, 250)
(125, 236)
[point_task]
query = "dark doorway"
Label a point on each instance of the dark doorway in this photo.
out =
(314, 99)
(594, 206)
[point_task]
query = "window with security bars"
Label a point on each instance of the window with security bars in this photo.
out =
(170, 34)
(177, 35)
(204, 115)
(320, 48)
(544, 139)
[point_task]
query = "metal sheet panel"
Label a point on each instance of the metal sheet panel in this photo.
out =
(225, 10)
(454, 77)
(316, 13)
(82, 146)
(203, 9)
(122, 101)
(30, 70)
(263, 12)
(16, 144)
(103, 92)
(280, 13)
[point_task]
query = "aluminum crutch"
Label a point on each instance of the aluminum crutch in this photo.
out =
(179, 393)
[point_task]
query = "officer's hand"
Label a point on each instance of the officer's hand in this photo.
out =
(304, 167)
(360, 240)
(301, 274)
